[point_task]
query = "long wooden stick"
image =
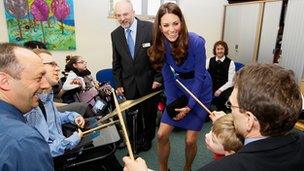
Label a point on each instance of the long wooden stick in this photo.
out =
(128, 104)
(108, 116)
(99, 127)
(123, 126)
(194, 97)
(299, 125)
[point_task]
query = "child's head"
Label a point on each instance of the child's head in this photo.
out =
(222, 139)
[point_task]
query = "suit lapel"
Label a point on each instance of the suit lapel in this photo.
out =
(139, 36)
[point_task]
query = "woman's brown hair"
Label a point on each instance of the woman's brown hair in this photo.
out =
(70, 59)
(179, 47)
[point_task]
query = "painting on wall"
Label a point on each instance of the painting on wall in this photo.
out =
(47, 21)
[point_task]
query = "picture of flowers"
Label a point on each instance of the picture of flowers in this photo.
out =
(47, 21)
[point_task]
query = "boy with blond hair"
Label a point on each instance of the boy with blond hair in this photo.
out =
(222, 139)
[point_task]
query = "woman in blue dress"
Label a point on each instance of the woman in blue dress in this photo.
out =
(175, 51)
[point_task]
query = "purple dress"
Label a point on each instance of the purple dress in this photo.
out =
(200, 84)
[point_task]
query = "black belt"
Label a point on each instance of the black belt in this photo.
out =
(186, 75)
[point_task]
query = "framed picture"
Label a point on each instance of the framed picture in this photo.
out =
(47, 21)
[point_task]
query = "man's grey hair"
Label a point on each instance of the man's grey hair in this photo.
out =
(127, 1)
(8, 61)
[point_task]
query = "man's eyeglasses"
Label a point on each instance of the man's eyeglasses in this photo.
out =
(53, 64)
(229, 105)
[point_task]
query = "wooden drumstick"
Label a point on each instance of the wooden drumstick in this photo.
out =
(99, 127)
(194, 97)
(123, 126)
(128, 104)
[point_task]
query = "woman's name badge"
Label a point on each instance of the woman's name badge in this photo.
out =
(144, 45)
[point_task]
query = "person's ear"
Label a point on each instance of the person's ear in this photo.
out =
(4, 81)
(250, 120)
(160, 28)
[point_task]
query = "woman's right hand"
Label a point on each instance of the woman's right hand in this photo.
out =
(182, 113)
(76, 81)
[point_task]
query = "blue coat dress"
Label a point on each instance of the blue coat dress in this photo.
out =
(200, 85)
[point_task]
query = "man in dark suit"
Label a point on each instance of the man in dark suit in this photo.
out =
(265, 103)
(133, 73)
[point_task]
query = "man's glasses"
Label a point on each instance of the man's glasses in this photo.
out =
(53, 64)
(229, 105)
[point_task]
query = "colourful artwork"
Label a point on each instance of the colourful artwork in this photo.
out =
(48, 21)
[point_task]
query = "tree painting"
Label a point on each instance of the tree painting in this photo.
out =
(60, 10)
(48, 21)
(40, 11)
(18, 9)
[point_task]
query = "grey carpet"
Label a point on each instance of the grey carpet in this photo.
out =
(177, 155)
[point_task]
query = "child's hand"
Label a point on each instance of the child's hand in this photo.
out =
(216, 114)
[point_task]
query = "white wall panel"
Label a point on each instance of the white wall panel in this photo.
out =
(293, 38)
(240, 31)
(270, 27)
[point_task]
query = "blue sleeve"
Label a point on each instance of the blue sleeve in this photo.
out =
(68, 116)
(59, 145)
(169, 83)
(199, 69)
(30, 153)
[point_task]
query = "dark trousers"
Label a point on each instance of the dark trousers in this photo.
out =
(219, 102)
(141, 120)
